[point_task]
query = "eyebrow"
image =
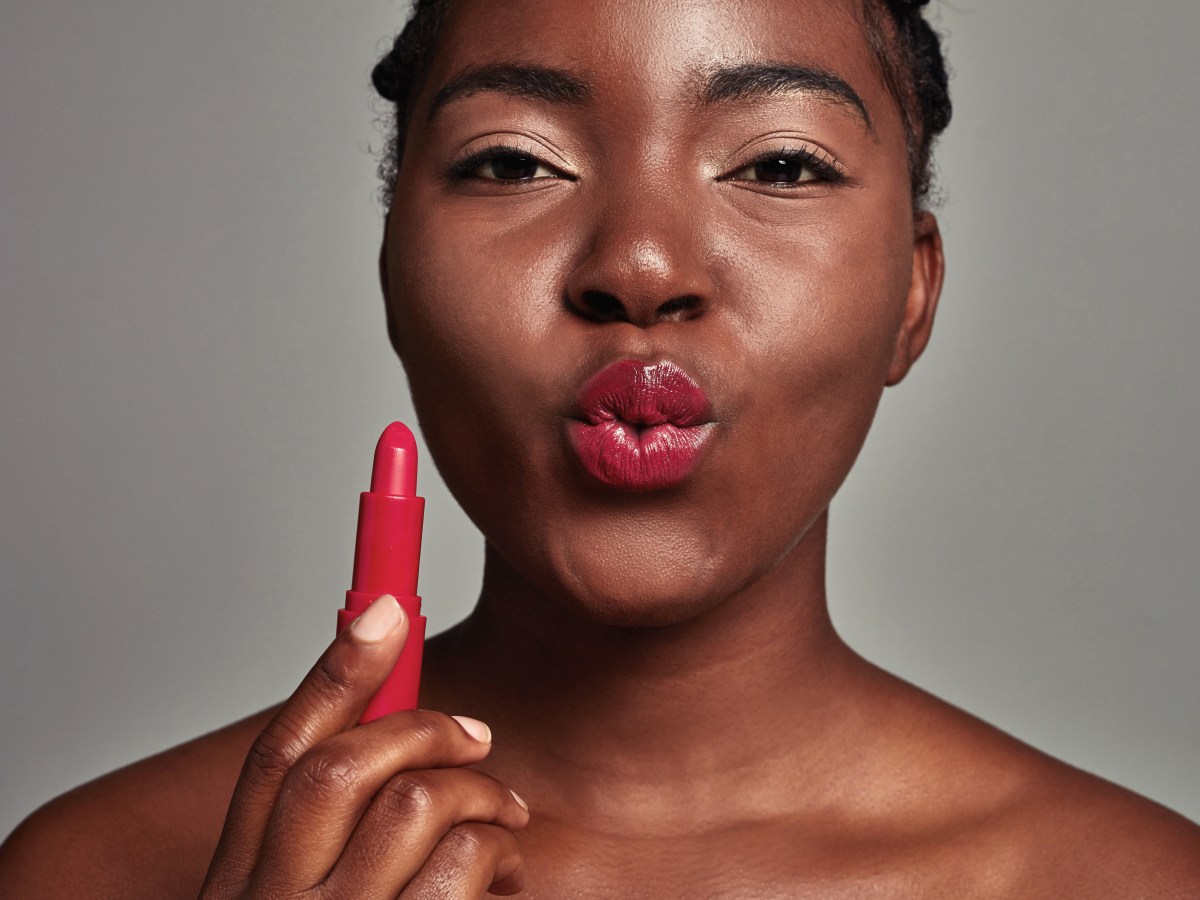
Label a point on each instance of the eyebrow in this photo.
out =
(751, 81)
(755, 81)
(534, 82)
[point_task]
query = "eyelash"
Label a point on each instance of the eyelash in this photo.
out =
(824, 168)
(468, 168)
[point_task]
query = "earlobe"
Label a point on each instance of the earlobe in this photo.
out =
(928, 270)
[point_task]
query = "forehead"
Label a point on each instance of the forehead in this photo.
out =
(658, 50)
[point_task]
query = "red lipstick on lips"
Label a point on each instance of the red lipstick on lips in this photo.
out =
(644, 425)
(387, 557)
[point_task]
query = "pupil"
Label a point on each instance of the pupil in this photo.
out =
(780, 171)
(513, 167)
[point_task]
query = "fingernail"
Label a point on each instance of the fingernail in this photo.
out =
(380, 619)
(517, 797)
(475, 728)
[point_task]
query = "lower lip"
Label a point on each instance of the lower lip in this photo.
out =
(639, 458)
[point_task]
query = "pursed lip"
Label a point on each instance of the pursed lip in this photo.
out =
(642, 426)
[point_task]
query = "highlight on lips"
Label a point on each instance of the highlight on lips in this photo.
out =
(642, 426)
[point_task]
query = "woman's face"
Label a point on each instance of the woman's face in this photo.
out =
(632, 201)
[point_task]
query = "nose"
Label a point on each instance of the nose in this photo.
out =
(642, 264)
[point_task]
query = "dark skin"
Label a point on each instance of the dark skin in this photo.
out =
(664, 683)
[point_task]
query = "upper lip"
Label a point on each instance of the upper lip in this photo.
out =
(643, 394)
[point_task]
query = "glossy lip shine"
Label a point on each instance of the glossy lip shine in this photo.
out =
(643, 426)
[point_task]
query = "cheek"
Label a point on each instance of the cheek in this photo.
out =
(472, 307)
(819, 351)
(831, 290)
(469, 295)
(837, 292)
(448, 324)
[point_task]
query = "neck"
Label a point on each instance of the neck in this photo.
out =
(584, 710)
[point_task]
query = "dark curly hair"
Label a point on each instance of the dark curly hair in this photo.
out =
(907, 50)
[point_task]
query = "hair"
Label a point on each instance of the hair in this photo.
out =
(907, 50)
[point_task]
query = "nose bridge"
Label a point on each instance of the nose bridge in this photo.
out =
(642, 251)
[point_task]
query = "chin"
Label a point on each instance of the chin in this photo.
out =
(640, 589)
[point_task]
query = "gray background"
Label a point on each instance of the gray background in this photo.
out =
(193, 371)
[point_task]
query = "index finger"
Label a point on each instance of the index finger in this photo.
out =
(329, 700)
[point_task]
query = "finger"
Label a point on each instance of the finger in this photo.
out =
(328, 789)
(471, 859)
(329, 700)
(410, 816)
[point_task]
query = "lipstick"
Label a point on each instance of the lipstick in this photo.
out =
(641, 426)
(387, 556)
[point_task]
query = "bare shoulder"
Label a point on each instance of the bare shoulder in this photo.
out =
(1086, 837)
(146, 830)
(1038, 827)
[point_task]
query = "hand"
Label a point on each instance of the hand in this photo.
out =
(325, 808)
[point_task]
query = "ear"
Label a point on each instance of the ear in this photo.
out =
(393, 329)
(928, 270)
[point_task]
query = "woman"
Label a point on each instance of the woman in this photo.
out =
(649, 270)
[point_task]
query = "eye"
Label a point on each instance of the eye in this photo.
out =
(513, 167)
(786, 168)
(504, 164)
(782, 170)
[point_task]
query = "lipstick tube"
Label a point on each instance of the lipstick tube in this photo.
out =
(387, 557)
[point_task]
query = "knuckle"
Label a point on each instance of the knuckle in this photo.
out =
(468, 842)
(411, 798)
(328, 774)
(275, 751)
(469, 859)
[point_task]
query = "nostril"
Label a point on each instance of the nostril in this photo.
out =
(603, 307)
(678, 308)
